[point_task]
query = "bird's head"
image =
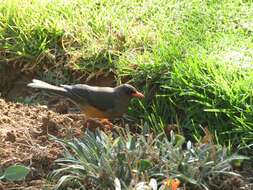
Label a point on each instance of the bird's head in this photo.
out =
(128, 91)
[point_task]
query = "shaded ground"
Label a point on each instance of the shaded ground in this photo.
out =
(24, 139)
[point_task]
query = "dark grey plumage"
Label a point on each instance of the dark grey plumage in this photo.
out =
(111, 102)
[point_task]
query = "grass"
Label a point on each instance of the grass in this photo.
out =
(198, 55)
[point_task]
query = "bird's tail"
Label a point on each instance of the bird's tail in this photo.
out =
(48, 87)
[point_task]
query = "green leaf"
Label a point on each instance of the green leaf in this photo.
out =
(144, 164)
(237, 162)
(16, 172)
(179, 140)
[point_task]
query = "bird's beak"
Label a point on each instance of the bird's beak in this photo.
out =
(138, 95)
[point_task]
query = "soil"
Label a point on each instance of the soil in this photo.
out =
(24, 139)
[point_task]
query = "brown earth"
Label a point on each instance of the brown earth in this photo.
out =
(24, 138)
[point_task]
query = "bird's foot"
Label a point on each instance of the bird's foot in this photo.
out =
(107, 123)
(103, 124)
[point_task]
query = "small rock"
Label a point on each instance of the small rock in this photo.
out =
(50, 125)
(62, 107)
(10, 136)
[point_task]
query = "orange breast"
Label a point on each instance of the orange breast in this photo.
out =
(93, 112)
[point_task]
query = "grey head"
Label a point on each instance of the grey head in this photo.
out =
(128, 91)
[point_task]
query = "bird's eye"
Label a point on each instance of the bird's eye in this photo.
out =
(130, 91)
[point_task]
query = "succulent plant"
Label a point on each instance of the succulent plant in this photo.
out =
(104, 161)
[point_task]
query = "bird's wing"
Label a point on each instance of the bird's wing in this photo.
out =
(98, 97)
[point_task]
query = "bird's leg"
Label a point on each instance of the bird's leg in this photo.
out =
(119, 122)
(93, 124)
(107, 123)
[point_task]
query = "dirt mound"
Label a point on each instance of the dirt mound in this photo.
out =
(24, 138)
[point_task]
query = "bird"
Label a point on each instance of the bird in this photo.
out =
(95, 102)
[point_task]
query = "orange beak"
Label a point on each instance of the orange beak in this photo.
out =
(138, 95)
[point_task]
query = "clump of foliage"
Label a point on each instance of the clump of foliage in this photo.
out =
(102, 161)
